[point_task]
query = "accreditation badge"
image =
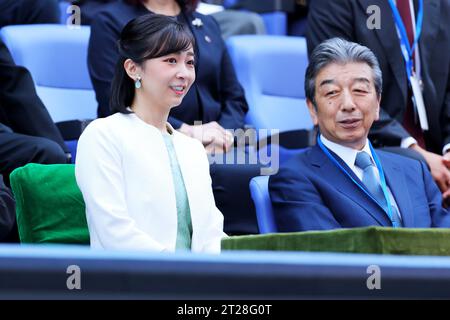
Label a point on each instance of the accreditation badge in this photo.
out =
(418, 102)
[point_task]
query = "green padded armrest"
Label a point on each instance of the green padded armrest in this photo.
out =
(49, 205)
(376, 240)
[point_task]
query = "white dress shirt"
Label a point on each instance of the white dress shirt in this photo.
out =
(348, 155)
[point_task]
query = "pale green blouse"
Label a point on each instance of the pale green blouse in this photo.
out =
(184, 224)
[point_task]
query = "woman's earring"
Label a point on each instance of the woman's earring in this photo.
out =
(137, 82)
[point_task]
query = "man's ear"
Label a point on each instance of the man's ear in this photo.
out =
(312, 112)
(131, 68)
(377, 117)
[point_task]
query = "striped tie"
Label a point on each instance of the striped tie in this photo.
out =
(370, 180)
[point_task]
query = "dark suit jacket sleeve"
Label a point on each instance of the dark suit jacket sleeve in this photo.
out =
(102, 58)
(7, 210)
(329, 19)
(446, 121)
(21, 108)
(297, 203)
(387, 131)
(440, 217)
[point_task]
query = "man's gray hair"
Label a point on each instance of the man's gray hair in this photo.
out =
(340, 51)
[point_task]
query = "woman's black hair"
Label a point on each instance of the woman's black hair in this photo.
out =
(146, 37)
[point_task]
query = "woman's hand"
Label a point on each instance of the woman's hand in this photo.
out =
(215, 138)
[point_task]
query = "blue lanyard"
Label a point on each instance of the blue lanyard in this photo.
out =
(404, 36)
(380, 170)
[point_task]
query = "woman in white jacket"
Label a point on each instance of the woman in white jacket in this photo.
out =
(145, 185)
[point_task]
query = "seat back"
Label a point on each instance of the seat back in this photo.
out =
(275, 23)
(56, 57)
(259, 190)
(63, 15)
(49, 204)
(272, 69)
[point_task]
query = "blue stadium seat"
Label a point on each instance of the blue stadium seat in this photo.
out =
(56, 57)
(272, 69)
(275, 23)
(63, 6)
(260, 194)
(229, 3)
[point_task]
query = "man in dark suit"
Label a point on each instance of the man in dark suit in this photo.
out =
(342, 182)
(231, 22)
(7, 213)
(28, 11)
(372, 23)
(27, 133)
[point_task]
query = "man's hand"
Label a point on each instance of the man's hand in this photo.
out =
(447, 159)
(446, 195)
(446, 199)
(215, 138)
(439, 166)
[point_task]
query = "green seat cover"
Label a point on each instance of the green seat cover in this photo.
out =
(49, 205)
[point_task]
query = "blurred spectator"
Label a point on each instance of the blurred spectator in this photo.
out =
(90, 8)
(7, 213)
(28, 12)
(297, 20)
(231, 22)
(27, 133)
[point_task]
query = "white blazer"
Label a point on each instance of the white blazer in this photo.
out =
(123, 171)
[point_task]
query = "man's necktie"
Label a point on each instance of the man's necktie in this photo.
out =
(370, 180)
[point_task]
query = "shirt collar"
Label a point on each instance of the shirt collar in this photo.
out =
(348, 155)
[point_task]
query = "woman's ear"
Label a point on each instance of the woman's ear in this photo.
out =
(132, 69)
(377, 117)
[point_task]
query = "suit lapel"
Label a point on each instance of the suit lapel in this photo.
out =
(431, 13)
(388, 40)
(399, 190)
(346, 185)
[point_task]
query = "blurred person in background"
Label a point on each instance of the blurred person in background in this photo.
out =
(27, 132)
